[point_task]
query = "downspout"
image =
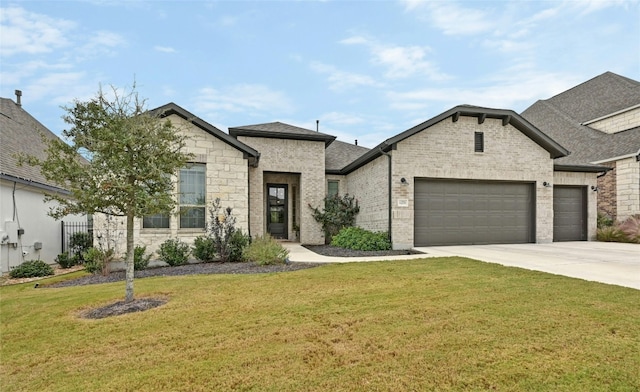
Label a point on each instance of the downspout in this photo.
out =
(389, 191)
(248, 199)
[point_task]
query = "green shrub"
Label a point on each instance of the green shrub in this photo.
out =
(31, 269)
(97, 261)
(265, 251)
(174, 252)
(610, 234)
(238, 243)
(339, 212)
(140, 259)
(204, 249)
(604, 220)
(220, 229)
(360, 239)
(65, 260)
(79, 243)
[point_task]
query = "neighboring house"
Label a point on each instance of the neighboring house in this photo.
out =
(599, 122)
(470, 175)
(26, 231)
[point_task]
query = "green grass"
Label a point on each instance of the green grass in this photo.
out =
(432, 324)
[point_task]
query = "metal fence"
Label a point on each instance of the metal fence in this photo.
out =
(76, 236)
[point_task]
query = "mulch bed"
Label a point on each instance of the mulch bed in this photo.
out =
(334, 251)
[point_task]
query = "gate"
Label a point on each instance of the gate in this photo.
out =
(76, 236)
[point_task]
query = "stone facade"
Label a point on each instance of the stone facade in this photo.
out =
(446, 150)
(227, 178)
(369, 184)
(589, 181)
(628, 188)
(299, 164)
(617, 122)
(607, 195)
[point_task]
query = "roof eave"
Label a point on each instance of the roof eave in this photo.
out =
(235, 132)
(172, 108)
(581, 168)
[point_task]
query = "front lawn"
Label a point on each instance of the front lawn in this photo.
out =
(431, 324)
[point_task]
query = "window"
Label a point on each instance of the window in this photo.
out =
(157, 221)
(192, 196)
(479, 142)
(332, 188)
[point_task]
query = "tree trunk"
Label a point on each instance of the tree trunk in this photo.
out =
(129, 260)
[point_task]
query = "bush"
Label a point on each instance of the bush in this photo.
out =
(140, 260)
(339, 212)
(65, 260)
(221, 228)
(604, 220)
(238, 243)
(79, 243)
(265, 251)
(631, 228)
(174, 252)
(610, 234)
(204, 249)
(97, 261)
(360, 239)
(31, 269)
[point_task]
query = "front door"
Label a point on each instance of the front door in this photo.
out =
(277, 210)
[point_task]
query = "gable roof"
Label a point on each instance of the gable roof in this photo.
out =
(507, 116)
(22, 133)
(278, 130)
(562, 116)
(171, 108)
(340, 154)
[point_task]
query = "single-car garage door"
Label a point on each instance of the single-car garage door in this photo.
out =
(569, 213)
(458, 212)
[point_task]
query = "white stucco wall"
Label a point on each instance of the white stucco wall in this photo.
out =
(30, 215)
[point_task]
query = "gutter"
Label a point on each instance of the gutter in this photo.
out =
(388, 193)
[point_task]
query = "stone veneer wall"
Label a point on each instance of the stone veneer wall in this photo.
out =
(607, 198)
(302, 157)
(226, 178)
(446, 150)
(619, 122)
(583, 179)
(628, 188)
(369, 184)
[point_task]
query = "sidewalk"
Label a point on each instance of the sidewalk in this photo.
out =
(300, 254)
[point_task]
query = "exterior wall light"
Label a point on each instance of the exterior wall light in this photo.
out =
(403, 180)
(546, 184)
(594, 188)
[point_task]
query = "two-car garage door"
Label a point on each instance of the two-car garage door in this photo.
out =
(459, 212)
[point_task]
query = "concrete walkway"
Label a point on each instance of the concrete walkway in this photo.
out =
(605, 262)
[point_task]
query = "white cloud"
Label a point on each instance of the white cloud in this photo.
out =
(400, 61)
(452, 18)
(515, 89)
(32, 33)
(164, 49)
(341, 80)
(245, 98)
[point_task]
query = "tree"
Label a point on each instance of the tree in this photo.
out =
(131, 158)
(339, 212)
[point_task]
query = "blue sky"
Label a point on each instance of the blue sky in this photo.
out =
(367, 70)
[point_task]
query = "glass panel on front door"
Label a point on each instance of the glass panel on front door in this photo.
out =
(277, 211)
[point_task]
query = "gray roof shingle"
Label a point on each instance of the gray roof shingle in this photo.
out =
(21, 133)
(280, 130)
(339, 154)
(561, 118)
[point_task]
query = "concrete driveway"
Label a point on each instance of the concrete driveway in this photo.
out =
(605, 262)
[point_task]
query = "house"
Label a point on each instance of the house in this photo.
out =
(26, 231)
(470, 175)
(599, 122)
